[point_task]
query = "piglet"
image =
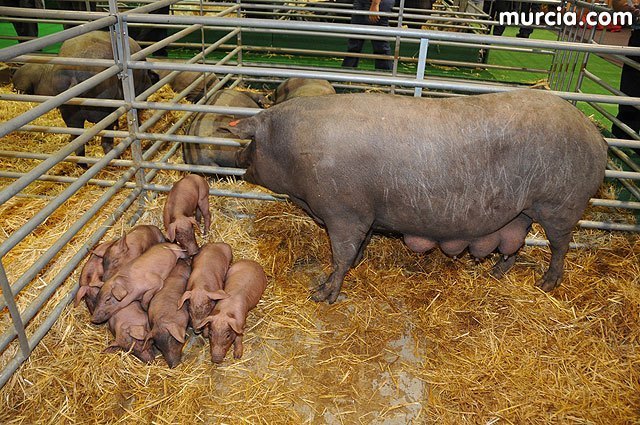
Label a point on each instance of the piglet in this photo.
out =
(205, 284)
(168, 322)
(130, 246)
(138, 280)
(188, 197)
(92, 273)
(130, 327)
(244, 286)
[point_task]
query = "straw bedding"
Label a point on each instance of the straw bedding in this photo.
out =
(417, 339)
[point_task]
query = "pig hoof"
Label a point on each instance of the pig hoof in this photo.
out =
(548, 284)
(325, 293)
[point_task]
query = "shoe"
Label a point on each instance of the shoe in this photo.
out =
(520, 35)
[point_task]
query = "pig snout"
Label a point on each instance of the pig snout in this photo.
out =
(170, 348)
(144, 355)
(105, 307)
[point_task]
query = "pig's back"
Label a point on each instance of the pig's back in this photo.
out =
(426, 164)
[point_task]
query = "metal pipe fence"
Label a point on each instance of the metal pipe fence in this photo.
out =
(223, 49)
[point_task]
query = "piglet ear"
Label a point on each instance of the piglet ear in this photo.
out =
(171, 232)
(138, 332)
(218, 294)
(101, 249)
(195, 224)
(80, 295)
(177, 332)
(206, 321)
(122, 244)
(185, 297)
(119, 292)
(95, 284)
(112, 348)
(237, 324)
(147, 340)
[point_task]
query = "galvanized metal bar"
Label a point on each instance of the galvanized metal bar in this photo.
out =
(591, 76)
(422, 58)
(8, 53)
(383, 31)
(56, 101)
(10, 303)
(359, 78)
(49, 163)
(17, 236)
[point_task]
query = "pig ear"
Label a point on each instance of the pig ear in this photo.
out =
(119, 292)
(95, 284)
(80, 295)
(177, 332)
(137, 332)
(185, 297)
(147, 341)
(218, 294)
(195, 224)
(112, 348)
(101, 249)
(171, 232)
(206, 321)
(122, 244)
(236, 325)
(244, 128)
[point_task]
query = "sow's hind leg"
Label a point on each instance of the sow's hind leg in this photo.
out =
(348, 235)
(558, 227)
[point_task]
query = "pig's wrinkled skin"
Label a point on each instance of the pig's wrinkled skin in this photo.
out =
(168, 322)
(302, 87)
(186, 204)
(91, 277)
(206, 282)
(129, 247)
(138, 280)
(130, 327)
(244, 287)
(50, 80)
(214, 125)
(462, 172)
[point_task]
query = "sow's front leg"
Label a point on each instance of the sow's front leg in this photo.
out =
(348, 236)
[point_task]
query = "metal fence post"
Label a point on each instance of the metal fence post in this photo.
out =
(422, 61)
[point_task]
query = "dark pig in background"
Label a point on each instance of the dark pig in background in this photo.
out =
(130, 327)
(138, 280)
(185, 78)
(186, 206)
(215, 125)
(129, 247)
(470, 172)
(51, 80)
(244, 286)
(302, 87)
(91, 277)
(206, 282)
(168, 322)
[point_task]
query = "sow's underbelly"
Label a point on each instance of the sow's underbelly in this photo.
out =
(507, 239)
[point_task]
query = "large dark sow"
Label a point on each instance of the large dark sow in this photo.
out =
(462, 173)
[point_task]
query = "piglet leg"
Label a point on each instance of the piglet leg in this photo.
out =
(237, 347)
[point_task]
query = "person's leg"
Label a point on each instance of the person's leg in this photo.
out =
(354, 45)
(525, 32)
(381, 47)
(629, 84)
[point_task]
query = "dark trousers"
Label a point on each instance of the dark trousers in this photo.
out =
(380, 47)
(24, 29)
(152, 33)
(493, 8)
(630, 85)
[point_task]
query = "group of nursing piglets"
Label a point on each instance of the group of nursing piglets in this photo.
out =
(149, 288)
